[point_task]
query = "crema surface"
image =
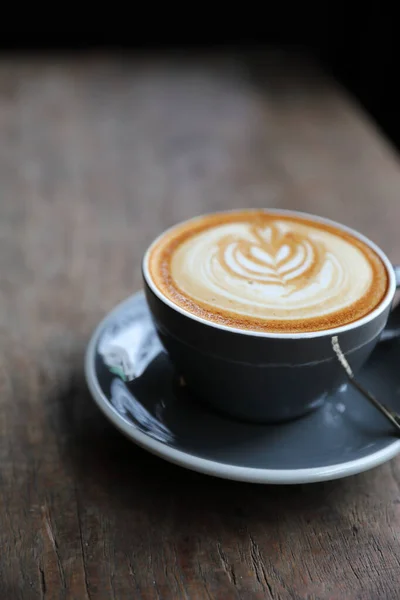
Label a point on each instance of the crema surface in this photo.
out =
(264, 271)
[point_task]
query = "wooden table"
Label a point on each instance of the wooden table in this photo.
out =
(98, 154)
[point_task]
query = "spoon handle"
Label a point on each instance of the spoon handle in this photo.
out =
(391, 415)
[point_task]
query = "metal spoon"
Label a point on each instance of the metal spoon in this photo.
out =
(391, 415)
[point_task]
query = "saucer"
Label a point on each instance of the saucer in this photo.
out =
(134, 384)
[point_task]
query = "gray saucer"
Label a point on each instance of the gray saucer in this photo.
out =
(134, 384)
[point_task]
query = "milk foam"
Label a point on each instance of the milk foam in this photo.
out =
(282, 270)
(273, 272)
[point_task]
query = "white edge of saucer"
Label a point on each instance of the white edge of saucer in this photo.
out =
(209, 467)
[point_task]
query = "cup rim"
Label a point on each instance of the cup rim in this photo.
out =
(385, 302)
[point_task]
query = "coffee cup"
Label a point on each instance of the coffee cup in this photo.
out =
(246, 304)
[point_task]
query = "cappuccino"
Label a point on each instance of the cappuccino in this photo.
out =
(268, 271)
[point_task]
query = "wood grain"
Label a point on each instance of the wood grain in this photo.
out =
(98, 154)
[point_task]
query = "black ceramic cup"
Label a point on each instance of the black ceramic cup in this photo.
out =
(260, 376)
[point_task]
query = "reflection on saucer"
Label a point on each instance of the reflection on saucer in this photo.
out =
(129, 345)
(127, 405)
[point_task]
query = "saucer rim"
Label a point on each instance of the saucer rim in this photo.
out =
(207, 466)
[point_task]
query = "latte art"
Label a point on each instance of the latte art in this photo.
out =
(270, 272)
(272, 257)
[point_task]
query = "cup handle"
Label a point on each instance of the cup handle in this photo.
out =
(392, 329)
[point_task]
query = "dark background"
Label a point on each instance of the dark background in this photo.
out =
(356, 43)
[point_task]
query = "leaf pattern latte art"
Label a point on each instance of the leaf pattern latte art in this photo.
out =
(274, 257)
